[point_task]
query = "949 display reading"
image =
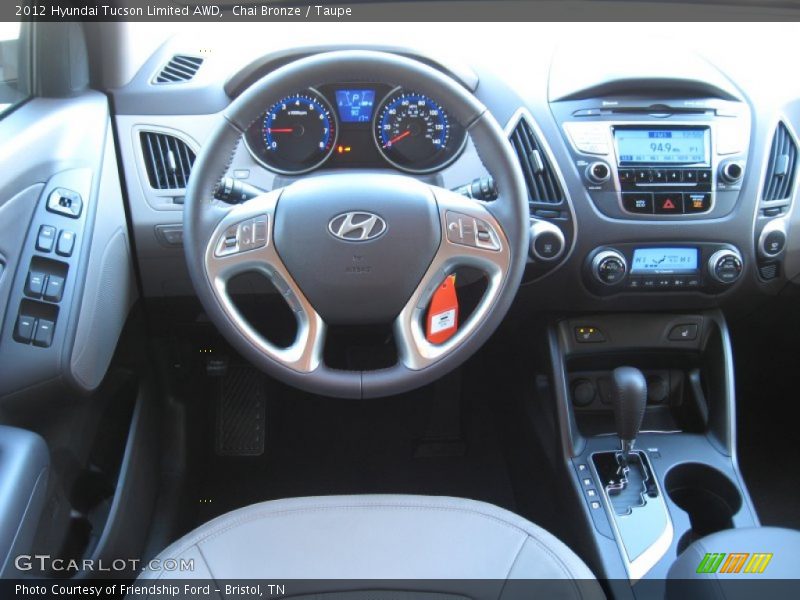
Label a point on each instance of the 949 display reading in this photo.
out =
(671, 146)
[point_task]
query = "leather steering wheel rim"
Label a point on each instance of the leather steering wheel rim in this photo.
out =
(207, 222)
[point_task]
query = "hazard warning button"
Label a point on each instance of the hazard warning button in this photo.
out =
(669, 204)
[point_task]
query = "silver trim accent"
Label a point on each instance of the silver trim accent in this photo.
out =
(641, 565)
(592, 177)
(136, 132)
(414, 350)
(727, 177)
(366, 226)
(305, 353)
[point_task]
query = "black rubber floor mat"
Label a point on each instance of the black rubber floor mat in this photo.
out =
(241, 413)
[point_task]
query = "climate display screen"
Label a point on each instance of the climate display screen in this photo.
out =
(355, 106)
(664, 260)
(662, 146)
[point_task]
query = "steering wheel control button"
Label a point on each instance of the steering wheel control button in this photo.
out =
(65, 202)
(725, 266)
(588, 334)
(46, 238)
(683, 333)
(54, 289)
(44, 333)
(469, 231)
(66, 243)
(639, 203)
(23, 332)
(34, 286)
(668, 204)
(244, 236)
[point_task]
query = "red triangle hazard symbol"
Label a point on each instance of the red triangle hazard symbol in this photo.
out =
(668, 204)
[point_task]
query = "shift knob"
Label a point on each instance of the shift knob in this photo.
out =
(629, 396)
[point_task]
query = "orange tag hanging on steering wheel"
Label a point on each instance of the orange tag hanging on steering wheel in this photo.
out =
(443, 312)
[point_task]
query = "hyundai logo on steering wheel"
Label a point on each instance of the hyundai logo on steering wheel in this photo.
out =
(357, 226)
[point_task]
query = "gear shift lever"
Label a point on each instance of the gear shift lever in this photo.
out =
(629, 398)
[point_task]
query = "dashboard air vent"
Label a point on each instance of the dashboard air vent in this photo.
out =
(168, 160)
(540, 178)
(180, 68)
(781, 166)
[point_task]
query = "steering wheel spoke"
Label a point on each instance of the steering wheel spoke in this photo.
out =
(242, 242)
(470, 237)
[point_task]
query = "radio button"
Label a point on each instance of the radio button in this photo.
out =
(689, 176)
(674, 176)
(626, 175)
(696, 202)
(638, 203)
(669, 204)
(704, 176)
(658, 176)
(642, 175)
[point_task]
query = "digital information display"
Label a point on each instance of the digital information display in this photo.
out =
(664, 260)
(355, 106)
(662, 146)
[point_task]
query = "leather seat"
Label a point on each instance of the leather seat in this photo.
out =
(383, 537)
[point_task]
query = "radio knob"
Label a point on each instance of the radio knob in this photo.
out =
(598, 172)
(609, 267)
(731, 171)
(547, 241)
(725, 266)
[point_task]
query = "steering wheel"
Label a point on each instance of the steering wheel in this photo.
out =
(421, 234)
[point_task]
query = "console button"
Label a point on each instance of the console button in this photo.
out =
(669, 204)
(704, 176)
(640, 203)
(664, 282)
(689, 176)
(658, 176)
(696, 202)
(694, 283)
(44, 333)
(642, 175)
(634, 283)
(589, 335)
(674, 176)
(679, 282)
(683, 333)
(24, 330)
(626, 175)
(774, 243)
(35, 284)
(46, 238)
(649, 283)
(54, 289)
(66, 243)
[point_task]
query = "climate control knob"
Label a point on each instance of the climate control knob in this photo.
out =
(731, 171)
(598, 172)
(609, 267)
(725, 266)
(547, 241)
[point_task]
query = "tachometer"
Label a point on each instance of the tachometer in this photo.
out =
(295, 135)
(414, 133)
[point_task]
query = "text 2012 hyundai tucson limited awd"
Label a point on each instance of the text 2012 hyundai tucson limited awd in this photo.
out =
(308, 305)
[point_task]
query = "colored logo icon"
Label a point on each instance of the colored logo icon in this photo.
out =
(735, 562)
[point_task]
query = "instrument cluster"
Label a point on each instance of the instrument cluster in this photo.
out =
(358, 126)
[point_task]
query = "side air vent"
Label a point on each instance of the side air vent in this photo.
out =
(168, 160)
(180, 68)
(781, 166)
(540, 178)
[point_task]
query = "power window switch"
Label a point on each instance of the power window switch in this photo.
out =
(46, 238)
(34, 287)
(54, 289)
(66, 243)
(44, 333)
(24, 329)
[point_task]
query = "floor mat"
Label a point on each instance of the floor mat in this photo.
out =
(321, 446)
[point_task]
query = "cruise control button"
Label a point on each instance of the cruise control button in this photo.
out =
(35, 284)
(668, 204)
(44, 333)
(638, 203)
(696, 202)
(46, 238)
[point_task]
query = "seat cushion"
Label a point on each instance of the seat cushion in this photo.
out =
(380, 537)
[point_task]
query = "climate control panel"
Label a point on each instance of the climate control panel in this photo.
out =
(703, 267)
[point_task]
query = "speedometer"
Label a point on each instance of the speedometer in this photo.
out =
(295, 135)
(414, 133)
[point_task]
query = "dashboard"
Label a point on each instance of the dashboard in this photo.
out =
(663, 186)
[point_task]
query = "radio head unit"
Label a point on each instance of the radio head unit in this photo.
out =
(663, 146)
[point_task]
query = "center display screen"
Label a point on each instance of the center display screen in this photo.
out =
(664, 260)
(663, 146)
